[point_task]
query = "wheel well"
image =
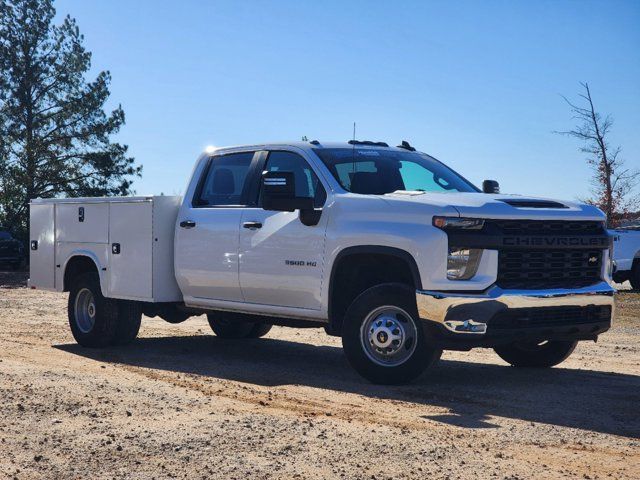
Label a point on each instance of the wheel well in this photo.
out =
(76, 266)
(355, 272)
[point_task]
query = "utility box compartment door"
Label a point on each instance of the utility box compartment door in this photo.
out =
(82, 222)
(130, 250)
(42, 251)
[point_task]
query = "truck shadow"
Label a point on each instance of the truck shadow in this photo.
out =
(604, 402)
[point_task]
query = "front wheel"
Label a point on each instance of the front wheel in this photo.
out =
(383, 338)
(544, 354)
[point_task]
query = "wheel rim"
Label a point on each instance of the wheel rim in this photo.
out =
(388, 336)
(85, 310)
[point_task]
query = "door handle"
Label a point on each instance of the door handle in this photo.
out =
(252, 225)
(187, 224)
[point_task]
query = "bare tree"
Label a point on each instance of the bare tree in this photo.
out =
(612, 181)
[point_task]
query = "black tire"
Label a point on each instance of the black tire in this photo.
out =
(536, 354)
(102, 330)
(634, 278)
(231, 325)
(260, 330)
(172, 314)
(129, 320)
(413, 354)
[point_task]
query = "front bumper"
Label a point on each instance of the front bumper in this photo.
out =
(500, 316)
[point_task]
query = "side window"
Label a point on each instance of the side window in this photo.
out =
(225, 180)
(307, 182)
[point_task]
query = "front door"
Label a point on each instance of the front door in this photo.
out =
(281, 259)
(207, 232)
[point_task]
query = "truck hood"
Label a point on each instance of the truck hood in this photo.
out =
(482, 205)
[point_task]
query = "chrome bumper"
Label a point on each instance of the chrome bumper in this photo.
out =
(469, 314)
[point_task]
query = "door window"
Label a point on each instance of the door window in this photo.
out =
(307, 182)
(225, 180)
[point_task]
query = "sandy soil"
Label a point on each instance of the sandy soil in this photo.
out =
(180, 403)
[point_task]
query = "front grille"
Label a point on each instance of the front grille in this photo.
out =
(549, 317)
(541, 269)
(547, 227)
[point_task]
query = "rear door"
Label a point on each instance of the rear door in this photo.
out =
(281, 259)
(206, 254)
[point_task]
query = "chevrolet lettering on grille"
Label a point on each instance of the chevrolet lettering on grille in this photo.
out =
(549, 241)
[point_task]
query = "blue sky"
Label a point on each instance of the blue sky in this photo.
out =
(476, 84)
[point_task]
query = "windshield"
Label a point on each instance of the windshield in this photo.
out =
(5, 236)
(380, 171)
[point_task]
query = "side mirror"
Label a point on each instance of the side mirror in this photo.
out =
(490, 186)
(279, 193)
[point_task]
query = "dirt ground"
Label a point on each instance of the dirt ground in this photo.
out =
(180, 403)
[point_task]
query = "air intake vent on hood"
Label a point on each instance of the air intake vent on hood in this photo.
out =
(533, 203)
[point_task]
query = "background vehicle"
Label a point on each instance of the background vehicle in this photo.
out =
(386, 247)
(12, 252)
(626, 255)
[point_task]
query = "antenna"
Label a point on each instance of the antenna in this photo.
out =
(353, 151)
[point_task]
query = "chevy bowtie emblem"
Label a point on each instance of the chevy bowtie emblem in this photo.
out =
(593, 260)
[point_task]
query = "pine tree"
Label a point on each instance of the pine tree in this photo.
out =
(54, 131)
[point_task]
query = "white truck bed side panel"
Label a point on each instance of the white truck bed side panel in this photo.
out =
(165, 213)
(130, 271)
(42, 260)
(144, 228)
(82, 222)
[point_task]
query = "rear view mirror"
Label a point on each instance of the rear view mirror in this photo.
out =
(490, 186)
(279, 193)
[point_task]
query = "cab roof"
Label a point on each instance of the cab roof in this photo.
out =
(315, 144)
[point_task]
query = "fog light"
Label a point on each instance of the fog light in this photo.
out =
(462, 263)
(466, 326)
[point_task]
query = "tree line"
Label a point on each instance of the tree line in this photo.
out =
(55, 135)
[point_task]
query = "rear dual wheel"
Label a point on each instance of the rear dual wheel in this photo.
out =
(97, 321)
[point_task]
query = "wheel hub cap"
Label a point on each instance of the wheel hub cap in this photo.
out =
(85, 310)
(388, 336)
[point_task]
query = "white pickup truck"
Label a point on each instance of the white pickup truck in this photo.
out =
(384, 246)
(626, 256)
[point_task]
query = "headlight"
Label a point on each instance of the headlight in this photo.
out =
(446, 223)
(462, 263)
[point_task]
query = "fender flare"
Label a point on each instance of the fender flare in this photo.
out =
(96, 261)
(376, 250)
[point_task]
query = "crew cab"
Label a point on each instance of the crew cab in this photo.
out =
(384, 246)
